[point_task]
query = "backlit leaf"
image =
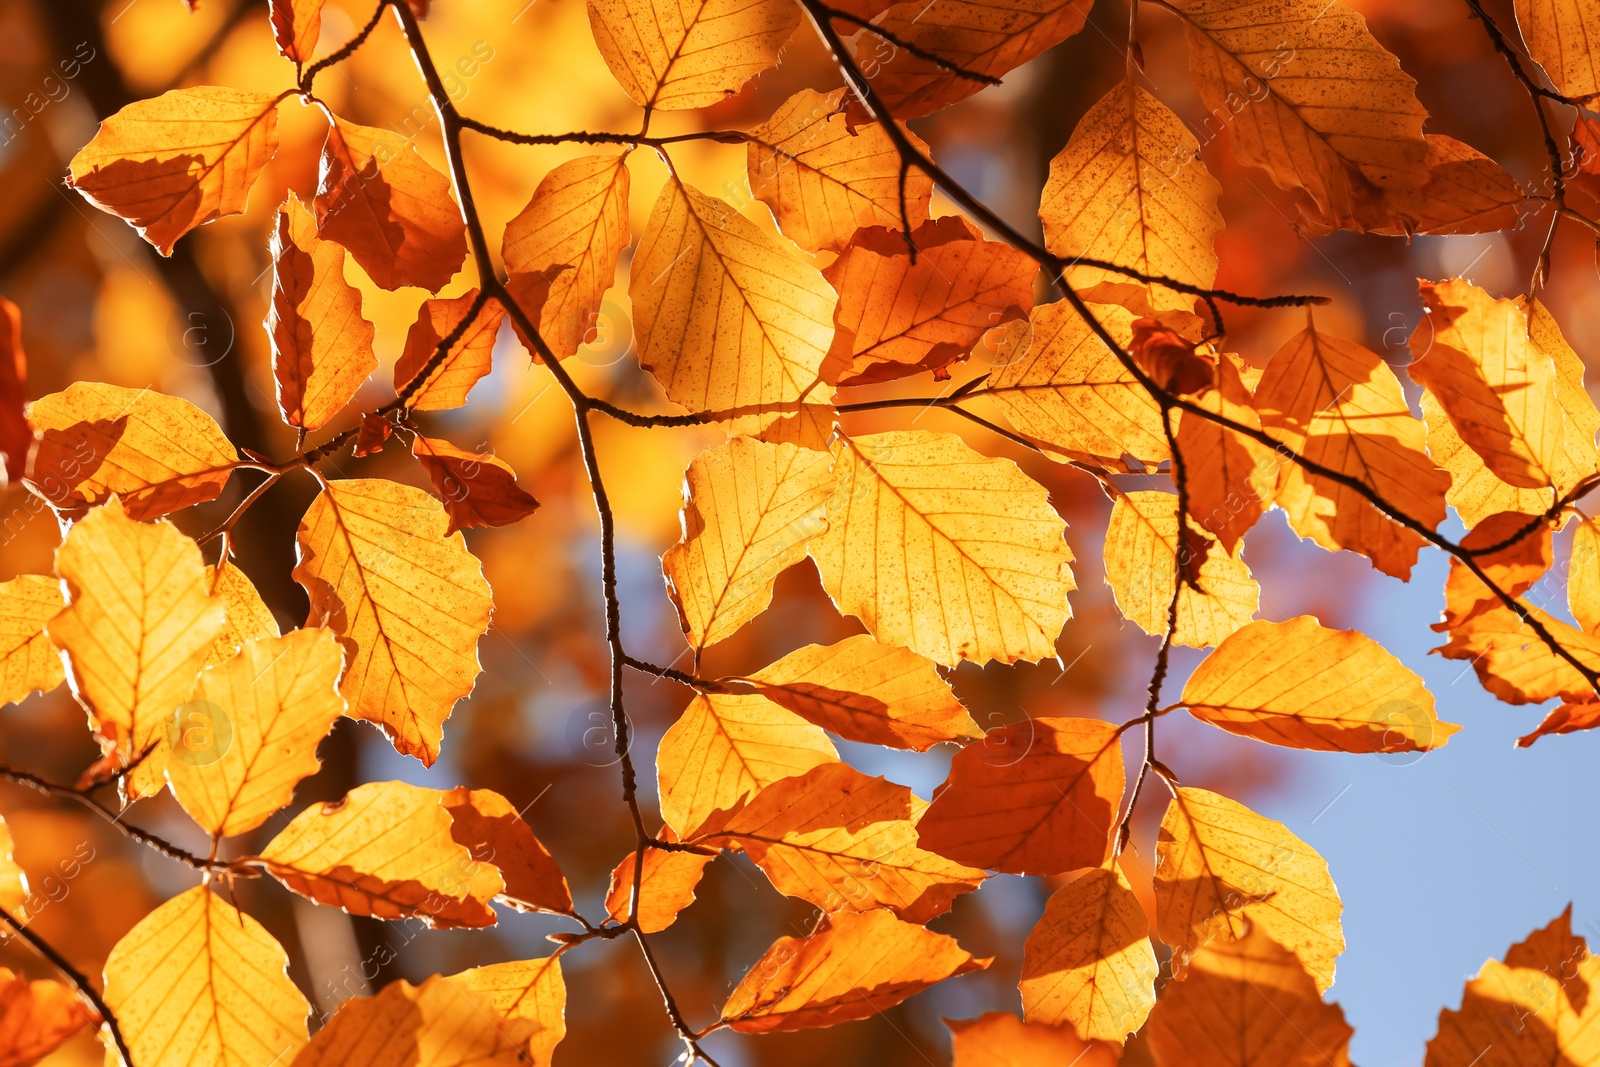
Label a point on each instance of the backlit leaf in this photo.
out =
(493, 830)
(477, 489)
(1560, 38)
(1231, 478)
(674, 54)
(463, 366)
(1514, 663)
(248, 615)
(28, 661)
(296, 24)
(665, 889)
(16, 436)
(1000, 1039)
(37, 1017)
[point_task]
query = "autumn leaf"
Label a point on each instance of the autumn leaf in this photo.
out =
(1559, 35)
(1466, 192)
(1513, 662)
(477, 489)
(1038, 796)
(381, 200)
(1340, 406)
(665, 888)
(897, 316)
(1524, 559)
(198, 981)
(321, 344)
(28, 661)
(1129, 188)
(387, 850)
(843, 841)
(986, 37)
(853, 967)
(14, 889)
(726, 319)
(178, 160)
(1301, 685)
(1540, 1005)
(492, 829)
(1088, 964)
(1061, 386)
(693, 54)
(1247, 1003)
(468, 359)
(1221, 869)
(1569, 718)
(16, 436)
(825, 179)
(135, 632)
(570, 234)
(159, 453)
(1583, 573)
(250, 732)
(935, 547)
(1231, 478)
(1311, 97)
(1000, 1039)
(503, 1015)
(749, 508)
(248, 616)
(1142, 561)
(867, 692)
(725, 747)
(406, 599)
(296, 25)
(36, 1018)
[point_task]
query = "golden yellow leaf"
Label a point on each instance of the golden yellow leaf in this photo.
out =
(178, 160)
(689, 53)
(1060, 385)
(1583, 575)
(1301, 685)
(136, 630)
(28, 661)
(824, 180)
(1475, 492)
(727, 319)
(198, 981)
(1231, 478)
(1038, 796)
(407, 600)
(844, 842)
(1540, 1006)
(477, 489)
(14, 890)
(665, 889)
(468, 359)
(725, 747)
(248, 616)
(492, 829)
(1000, 1039)
(1340, 405)
(503, 1015)
(37, 1017)
(867, 692)
(386, 850)
(1088, 964)
(571, 233)
(1247, 1003)
(1513, 662)
(1467, 192)
(321, 345)
(853, 967)
(381, 200)
(1129, 188)
(159, 453)
(749, 507)
(1310, 96)
(1498, 387)
(989, 37)
(1222, 869)
(945, 551)
(1560, 35)
(1141, 561)
(296, 25)
(898, 316)
(250, 732)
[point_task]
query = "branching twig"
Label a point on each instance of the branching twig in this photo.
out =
(78, 980)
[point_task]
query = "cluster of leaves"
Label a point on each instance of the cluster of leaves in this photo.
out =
(944, 554)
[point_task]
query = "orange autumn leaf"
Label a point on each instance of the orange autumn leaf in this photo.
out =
(1039, 796)
(467, 360)
(28, 661)
(321, 344)
(1514, 567)
(570, 234)
(843, 841)
(37, 1017)
(138, 624)
(1247, 1003)
(1088, 964)
(15, 434)
(1302, 685)
(1569, 718)
(1512, 661)
(693, 53)
(296, 25)
(347, 854)
(248, 616)
(1583, 571)
(825, 178)
(867, 692)
(477, 489)
(395, 213)
(1000, 1039)
(158, 453)
(406, 599)
(1169, 358)
(1560, 38)
(854, 966)
(665, 888)
(492, 829)
(1231, 477)
(897, 316)
(179, 160)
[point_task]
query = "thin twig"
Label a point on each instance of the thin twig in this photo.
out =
(78, 980)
